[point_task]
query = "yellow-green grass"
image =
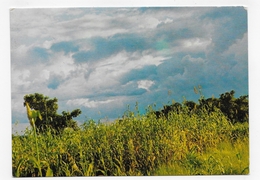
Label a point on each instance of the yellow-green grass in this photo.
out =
(225, 159)
(179, 144)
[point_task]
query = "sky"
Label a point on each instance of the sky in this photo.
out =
(102, 60)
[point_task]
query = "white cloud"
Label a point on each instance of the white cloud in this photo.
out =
(20, 77)
(87, 26)
(73, 87)
(106, 73)
(195, 44)
(17, 104)
(47, 44)
(148, 59)
(189, 59)
(87, 103)
(168, 20)
(45, 74)
(239, 48)
(147, 22)
(61, 64)
(145, 84)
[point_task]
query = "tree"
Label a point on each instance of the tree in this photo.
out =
(228, 105)
(242, 109)
(192, 106)
(50, 118)
(235, 109)
(209, 104)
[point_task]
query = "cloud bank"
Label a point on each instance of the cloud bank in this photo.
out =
(102, 59)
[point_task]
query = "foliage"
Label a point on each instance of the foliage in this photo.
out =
(181, 143)
(50, 118)
(236, 109)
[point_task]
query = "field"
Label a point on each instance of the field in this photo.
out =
(181, 143)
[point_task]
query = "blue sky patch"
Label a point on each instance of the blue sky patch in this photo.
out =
(64, 46)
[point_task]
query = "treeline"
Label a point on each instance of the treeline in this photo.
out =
(235, 109)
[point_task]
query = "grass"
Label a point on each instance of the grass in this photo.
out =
(179, 144)
(226, 159)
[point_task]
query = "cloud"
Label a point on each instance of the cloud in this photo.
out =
(145, 84)
(101, 59)
(147, 72)
(104, 47)
(195, 44)
(229, 24)
(239, 48)
(108, 72)
(87, 103)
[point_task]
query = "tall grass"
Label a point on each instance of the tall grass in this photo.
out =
(179, 144)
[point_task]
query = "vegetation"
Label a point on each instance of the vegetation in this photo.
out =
(184, 141)
(235, 109)
(51, 120)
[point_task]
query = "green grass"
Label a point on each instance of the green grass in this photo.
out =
(181, 144)
(226, 159)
